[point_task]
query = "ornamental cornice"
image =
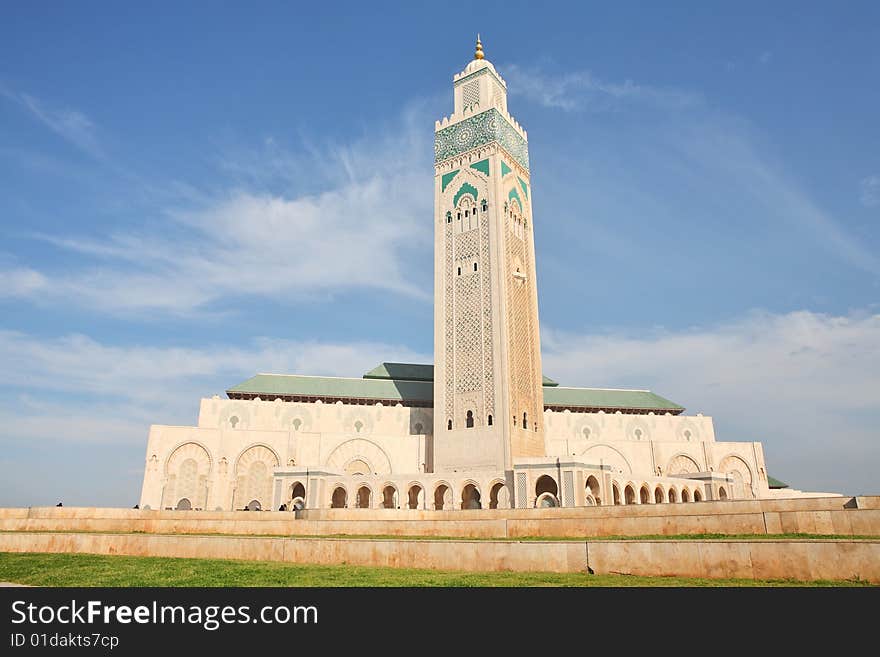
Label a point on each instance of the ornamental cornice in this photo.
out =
(478, 130)
(482, 71)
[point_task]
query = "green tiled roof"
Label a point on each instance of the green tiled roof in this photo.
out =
(413, 385)
(415, 372)
(401, 372)
(604, 398)
(775, 483)
(280, 385)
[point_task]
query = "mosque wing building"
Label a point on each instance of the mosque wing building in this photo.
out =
(482, 427)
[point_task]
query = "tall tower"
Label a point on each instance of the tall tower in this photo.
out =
(488, 399)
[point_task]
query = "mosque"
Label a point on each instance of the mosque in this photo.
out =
(481, 428)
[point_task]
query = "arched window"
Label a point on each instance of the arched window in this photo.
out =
(489, 422)
(364, 497)
(470, 497)
(459, 271)
(449, 425)
(415, 496)
(233, 421)
(467, 213)
(525, 421)
(340, 498)
(469, 420)
(475, 266)
(485, 205)
(448, 217)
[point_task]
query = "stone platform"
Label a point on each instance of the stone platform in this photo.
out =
(564, 539)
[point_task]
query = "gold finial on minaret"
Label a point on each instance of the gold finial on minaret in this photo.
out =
(479, 53)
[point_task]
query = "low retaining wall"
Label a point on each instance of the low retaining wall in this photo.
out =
(835, 516)
(768, 559)
(799, 560)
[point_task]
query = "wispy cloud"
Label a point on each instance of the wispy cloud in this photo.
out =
(582, 90)
(724, 147)
(133, 386)
(22, 282)
(714, 152)
(804, 384)
(870, 191)
(359, 221)
(82, 408)
(70, 124)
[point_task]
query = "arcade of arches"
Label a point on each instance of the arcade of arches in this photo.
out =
(469, 495)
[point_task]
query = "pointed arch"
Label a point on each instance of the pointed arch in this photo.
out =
(608, 455)
(187, 470)
(252, 474)
(359, 448)
(465, 188)
(740, 474)
(443, 500)
(682, 464)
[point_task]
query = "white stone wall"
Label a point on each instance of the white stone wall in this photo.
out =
(255, 450)
(238, 444)
(656, 446)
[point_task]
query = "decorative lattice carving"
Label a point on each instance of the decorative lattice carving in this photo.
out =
(568, 488)
(520, 328)
(468, 325)
(468, 334)
(486, 294)
(521, 491)
(449, 341)
(188, 479)
(470, 94)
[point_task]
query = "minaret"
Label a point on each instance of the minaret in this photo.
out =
(488, 399)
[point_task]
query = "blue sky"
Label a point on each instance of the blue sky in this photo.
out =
(189, 195)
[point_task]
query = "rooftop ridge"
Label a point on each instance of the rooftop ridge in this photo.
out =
(349, 378)
(609, 389)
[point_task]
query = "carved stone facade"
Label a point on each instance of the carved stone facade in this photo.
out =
(487, 331)
(479, 429)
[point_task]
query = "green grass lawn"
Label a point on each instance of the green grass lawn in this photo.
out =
(39, 569)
